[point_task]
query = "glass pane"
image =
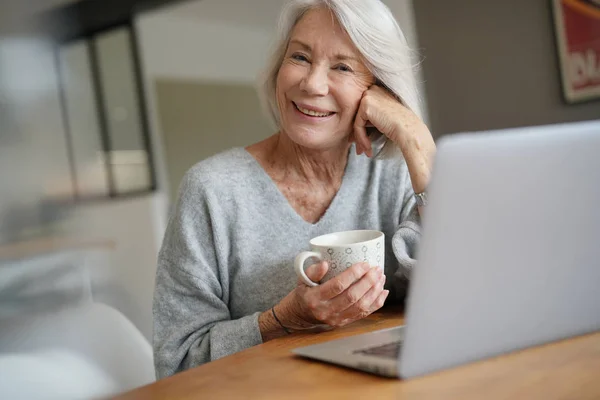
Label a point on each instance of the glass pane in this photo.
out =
(82, 120)
(35, 175)
(128, 155)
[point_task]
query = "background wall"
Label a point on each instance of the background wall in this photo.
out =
(200, 73)
(205, 118)
(185, 47)
(492, 64)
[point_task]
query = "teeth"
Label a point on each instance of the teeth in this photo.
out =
(312, 113)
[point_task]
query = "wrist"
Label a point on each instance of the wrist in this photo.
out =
(269, 327)
(419, 161)
(290, 313)
(281, 325)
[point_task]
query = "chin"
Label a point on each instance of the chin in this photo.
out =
(313, 139)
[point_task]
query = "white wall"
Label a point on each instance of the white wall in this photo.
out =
(183, 48)
(189, 49)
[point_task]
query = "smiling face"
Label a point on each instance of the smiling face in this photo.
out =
(320, 82)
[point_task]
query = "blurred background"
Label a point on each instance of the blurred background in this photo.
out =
(104, 104)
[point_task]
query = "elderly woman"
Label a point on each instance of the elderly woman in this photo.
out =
(225, 279)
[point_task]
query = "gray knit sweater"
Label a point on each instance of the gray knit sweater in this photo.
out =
(230, 243)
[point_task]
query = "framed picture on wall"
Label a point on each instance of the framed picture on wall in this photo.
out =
(577, 28)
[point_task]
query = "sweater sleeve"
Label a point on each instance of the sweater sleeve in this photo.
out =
(192, 322)
(408, 234)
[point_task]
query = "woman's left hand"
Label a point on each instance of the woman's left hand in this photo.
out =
(379, 108)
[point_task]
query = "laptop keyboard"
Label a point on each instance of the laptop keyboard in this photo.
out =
(388, 350)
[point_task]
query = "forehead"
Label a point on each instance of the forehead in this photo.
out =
(319, 29)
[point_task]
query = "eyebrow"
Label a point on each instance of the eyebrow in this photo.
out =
(339, 57)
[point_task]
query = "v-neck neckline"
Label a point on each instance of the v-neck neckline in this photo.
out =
(349, 170)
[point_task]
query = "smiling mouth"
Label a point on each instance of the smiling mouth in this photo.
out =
(312, 113)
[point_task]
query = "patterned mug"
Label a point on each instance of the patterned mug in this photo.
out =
(341, 250)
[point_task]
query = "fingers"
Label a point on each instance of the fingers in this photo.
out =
(352, 295)
(358, 290)
(362, 307)
(372, 301)
(317, 271)
(343, 281)
(363, 144)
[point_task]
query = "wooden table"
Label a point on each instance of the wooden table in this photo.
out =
(568, 369)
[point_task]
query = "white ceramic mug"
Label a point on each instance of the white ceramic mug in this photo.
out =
(341, 250)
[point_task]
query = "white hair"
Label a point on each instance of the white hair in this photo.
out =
(377, 36)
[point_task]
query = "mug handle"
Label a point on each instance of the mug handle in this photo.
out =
(299, 266)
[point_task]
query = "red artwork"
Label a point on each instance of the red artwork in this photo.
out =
(577, 24)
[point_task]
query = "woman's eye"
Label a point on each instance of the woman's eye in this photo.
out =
(299, 57)
(343, 67)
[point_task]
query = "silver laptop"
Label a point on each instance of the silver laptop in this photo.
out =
(510, 254)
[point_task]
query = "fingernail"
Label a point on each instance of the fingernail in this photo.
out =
(386, 292)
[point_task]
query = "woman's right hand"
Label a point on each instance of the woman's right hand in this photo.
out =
(348, 297)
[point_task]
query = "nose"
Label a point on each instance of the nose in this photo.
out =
(315, 82)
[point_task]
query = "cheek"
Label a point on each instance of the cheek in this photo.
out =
(287, 78)
(280, 86)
